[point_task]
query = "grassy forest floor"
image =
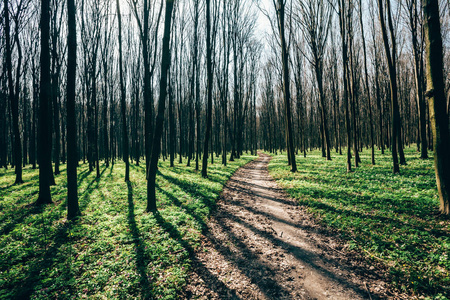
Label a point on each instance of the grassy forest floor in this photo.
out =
(392, 219)
(115, 250)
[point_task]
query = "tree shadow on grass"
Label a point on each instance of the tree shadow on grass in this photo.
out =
(189, 210)
(43, 264)
(142, 260)
(93, 185)
(193, 190)
(211, 280)
(18, 216)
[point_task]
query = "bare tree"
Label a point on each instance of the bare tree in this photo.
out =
(14, 94)
(391, 53)
(73, 209)
(315, 19)
(343, 16)
(280, 7)
(366, 82)
(156, 145)
(417, 45)
(45, 167)
(123, 100)
(209, 89)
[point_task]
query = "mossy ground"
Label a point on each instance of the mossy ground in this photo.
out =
(115, 250)
(390, 218)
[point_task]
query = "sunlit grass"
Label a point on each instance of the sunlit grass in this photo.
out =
(115, 250)
(391, 218)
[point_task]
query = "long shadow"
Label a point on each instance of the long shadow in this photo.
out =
(211, 280)
(188, 209)
(19, 215)
(35, 273)
(323, 206)
(373, 218)
(83, 175)
(89, 190)
(308, 228)
(267, 286)
(192, 190)
(301, 254)
(141, 259)
(237, 181)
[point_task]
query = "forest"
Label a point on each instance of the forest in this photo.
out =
(212, 149)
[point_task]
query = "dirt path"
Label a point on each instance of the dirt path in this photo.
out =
(261, 245)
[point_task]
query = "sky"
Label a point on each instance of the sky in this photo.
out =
(263, 22)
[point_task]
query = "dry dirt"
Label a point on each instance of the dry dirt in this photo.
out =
(260, 244)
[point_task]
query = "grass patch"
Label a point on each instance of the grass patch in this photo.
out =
(115, 250)
(390, 218)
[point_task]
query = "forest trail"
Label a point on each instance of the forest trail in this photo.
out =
(260, 244)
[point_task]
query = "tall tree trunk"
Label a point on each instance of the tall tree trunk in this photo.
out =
(366, 81)
(45, 167)
(437, 102)
(165, 65)
(171, 123)
(393, 86)
(209, 91)
(13, 96)
(123, 104)
(418, 76)
(73, 209)
(286, 88)
(343, 26)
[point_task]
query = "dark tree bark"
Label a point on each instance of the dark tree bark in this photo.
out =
(171, 124)
(55, 70)
(367, 86)
(159, 126)
(393, 83)
(343, 27)
(73, 209)
(13, 95)
(413, 17)
(34, 118)
(280, 7)
(44, 143)
(123, 104)
(209, 91)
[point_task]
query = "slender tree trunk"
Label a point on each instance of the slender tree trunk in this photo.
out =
(171, 124)
(393, 86)
(343, 26)
(73, 209)
(165, 65)
(13, 97)
(209, 91)
(122, 100)
(437, 102)
(286, 88)
(45, 167)
(366, 81)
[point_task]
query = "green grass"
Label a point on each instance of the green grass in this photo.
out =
(390, 218)
(115, 250)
